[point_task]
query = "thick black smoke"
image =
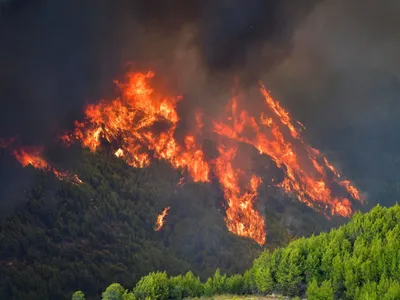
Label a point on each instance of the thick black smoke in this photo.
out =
(334, 64)
(56, 56)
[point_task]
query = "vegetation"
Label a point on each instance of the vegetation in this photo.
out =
(360, 260)
(68, 237)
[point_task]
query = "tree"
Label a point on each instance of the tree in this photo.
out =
(113, 292)
(155, 285)
(78, 295)
(323, 292)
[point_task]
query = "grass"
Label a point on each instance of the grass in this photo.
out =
(234, 297)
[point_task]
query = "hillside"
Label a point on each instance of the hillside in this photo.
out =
(360, 260)
(66, 237)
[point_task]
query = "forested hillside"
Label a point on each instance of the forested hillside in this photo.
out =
(66, 237)
(360, 260)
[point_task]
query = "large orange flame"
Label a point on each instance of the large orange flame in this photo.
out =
(143, 124)
(241, 217)
(132, 119)
(161, 219)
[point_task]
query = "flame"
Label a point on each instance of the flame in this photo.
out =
(241, 217)
(132, 119)
(311, 185)
(143, 124)
(161, 219)
(181, 181)
(32, 156)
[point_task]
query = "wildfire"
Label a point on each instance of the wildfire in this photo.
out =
(311, 185)
(143, 123)
(241, 217)
(32, 156)
(132, 119)
(161, 219)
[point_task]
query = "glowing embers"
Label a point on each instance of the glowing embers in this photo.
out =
(161, 219)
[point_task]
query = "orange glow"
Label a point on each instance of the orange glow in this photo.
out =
(33, 157)
(305, 176)
(241, 217)
(161, 219)
(132, 119)
(143, 124)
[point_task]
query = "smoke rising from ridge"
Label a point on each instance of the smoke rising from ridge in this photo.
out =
(342, 81)
(332, 63)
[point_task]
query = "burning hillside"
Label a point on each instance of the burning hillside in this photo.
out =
(130, 122)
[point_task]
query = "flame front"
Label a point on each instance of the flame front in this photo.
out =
(32, 156)
(161, 219)
(143, 124)
(132, 119)
(241, 217)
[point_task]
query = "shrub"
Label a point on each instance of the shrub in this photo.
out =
(175, 287)
(235, 284)
(155, 286)
(113, 292)
(78, 295)
(323, 292)
(191, 286)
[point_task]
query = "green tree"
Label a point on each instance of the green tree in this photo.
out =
(191, 286)
(323, 292)
(262, 273)
(113, 292)
(155, 285)
(78, 295)
(235, 284)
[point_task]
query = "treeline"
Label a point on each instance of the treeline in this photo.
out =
(158, 286)
(360, 260)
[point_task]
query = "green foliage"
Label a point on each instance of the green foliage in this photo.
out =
(155, 286)
(128, 296)
(113, 292)
(209, 288)
(78, 295)
(235, 284)
(359, 260)
(262, 275)
(323, 292)
(191, 286)
(185, 286)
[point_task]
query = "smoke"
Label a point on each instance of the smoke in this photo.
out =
(332, 63)
(56, 56)
(342, 81)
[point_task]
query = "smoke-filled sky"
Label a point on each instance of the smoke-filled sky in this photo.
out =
(332, 63)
